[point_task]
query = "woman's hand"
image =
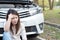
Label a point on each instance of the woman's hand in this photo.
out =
(10, 16)
(8, 22)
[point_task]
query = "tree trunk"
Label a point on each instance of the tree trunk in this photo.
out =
(43, 4)
(51, 4)
(36, 1)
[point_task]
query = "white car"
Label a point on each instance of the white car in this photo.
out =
(31, 16)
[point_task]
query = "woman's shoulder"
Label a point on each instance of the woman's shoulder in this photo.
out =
(21, 28)
(22, 25)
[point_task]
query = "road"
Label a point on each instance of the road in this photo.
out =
(36, 38)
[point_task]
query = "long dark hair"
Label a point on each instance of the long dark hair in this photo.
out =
(11, 11)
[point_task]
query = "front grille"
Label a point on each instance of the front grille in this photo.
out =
(31, 29)
(24, 14)
(2, 15)
(21, 15)
(28, 29)
(1, 30)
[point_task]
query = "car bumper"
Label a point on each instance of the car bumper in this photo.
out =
(34, 24)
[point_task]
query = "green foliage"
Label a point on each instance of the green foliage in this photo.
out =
(52, 15)
(58, 4)
(46, 4)
(50, 33)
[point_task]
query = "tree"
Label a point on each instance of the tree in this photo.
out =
(58, 4)
(51, 2)
(43, 4)
(36, 1)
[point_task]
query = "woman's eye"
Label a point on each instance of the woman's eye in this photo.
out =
(12, 18)
(16, 17)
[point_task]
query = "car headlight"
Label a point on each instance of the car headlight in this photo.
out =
(33, 12)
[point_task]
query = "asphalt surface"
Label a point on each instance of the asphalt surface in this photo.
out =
(28, 39)
(35, 38)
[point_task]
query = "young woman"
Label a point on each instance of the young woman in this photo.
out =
(13, 28)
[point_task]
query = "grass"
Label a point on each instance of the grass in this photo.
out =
(50, 32)
(52, 15)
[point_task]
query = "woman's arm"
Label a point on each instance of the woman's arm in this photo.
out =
(8, 22)
(24, 36)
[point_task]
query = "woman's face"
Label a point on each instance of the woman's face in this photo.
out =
(14, 19)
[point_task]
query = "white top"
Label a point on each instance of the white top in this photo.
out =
(21, 32)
